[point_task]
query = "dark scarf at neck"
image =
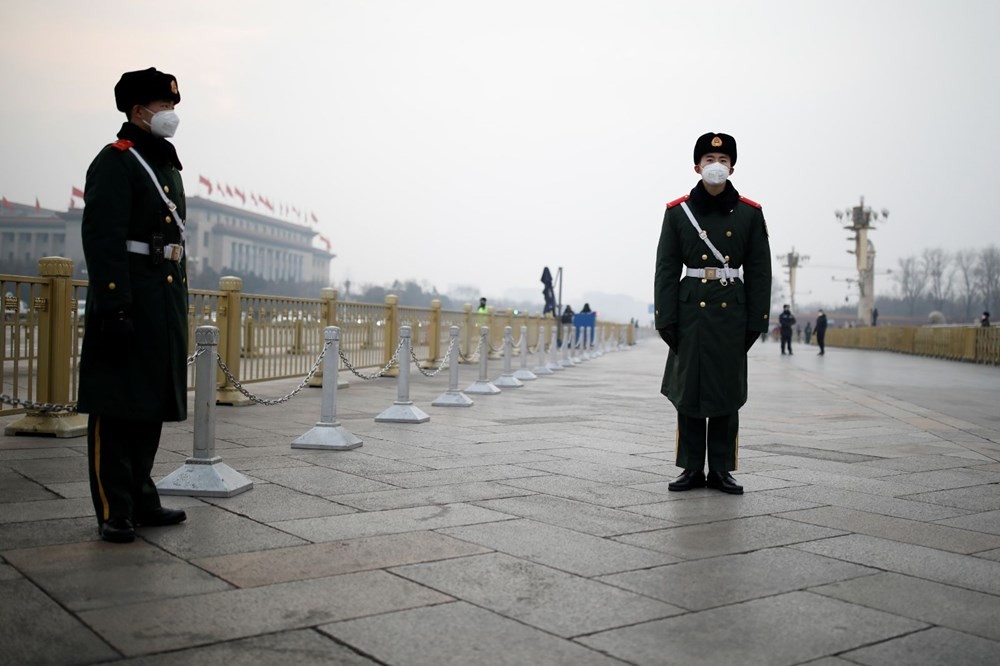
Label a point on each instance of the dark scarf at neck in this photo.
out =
(724, 202)
(153, 148)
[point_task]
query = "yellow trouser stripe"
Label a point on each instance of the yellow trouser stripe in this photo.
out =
(97, 469)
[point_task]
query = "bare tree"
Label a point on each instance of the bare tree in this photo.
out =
(911, 280)
(987, 275)
(934, 264)
(964, 272)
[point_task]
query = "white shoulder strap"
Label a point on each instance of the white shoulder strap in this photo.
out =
(704, 235)
(159, 190)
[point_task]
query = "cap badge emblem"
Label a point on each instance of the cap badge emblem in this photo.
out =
(716, 141)
(173, 88)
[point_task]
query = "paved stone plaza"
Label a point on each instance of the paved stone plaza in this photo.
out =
(536, 528)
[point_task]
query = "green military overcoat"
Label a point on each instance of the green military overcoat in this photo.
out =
(146, 378)
(707, 376)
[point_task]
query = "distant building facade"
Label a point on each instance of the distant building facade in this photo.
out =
(220, 239)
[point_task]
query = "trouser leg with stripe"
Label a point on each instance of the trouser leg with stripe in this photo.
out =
(120, 455)
(718, 435)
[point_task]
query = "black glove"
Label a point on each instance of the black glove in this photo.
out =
(117, 330)
(669, 335)
(752, 337)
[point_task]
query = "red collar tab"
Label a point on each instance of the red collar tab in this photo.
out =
(750, 201)
(122, 144)
(684, 198)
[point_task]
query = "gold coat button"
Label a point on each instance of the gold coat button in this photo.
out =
(166, 188)
(167, 219)
(724, 305)
(702, 304)
(726, 257)
(170, 279)
(704, 280)
(704, 257)
(765, 316)
(729, 234)
(111, 286)
(184, 280)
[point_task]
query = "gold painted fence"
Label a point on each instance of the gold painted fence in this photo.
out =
(261, 337)
(957, 343)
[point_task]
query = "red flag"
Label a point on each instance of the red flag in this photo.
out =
(253, 198)
(326, 241)
(77, 192)
(206, 182)
(240, 194)
(6, 204)
(314, 218)
(38, 206)
(218, 186)
(229, 190)
(72, 203)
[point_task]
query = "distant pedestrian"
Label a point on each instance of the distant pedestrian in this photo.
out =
(798, 334)
(821, 332)
(875, 317)
(586, 308)
(984, 321)
(567, 316)
(786, 320)
(709, 312)
(809, 332)
(482, 306)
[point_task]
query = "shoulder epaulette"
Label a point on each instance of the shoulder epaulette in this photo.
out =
(681, 200)
(122, 144)
(750, 201)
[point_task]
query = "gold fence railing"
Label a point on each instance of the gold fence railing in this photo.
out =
(957, 343)
(261, 337)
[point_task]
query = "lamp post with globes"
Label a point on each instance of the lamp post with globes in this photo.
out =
(860, 220)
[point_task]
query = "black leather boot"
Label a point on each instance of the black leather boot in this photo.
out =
(117, 530)
(160, 516)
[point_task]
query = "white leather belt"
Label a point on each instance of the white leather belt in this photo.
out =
(171, 252)
(713, 273)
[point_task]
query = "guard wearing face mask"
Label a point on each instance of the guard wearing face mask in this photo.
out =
(712, 297)
(133, 366)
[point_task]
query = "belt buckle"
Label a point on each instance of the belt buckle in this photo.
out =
(710, 274)
(175, 253)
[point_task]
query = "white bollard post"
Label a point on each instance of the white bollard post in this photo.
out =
(204, 474)
(553, 363)
(507, 378)
(403, 410)
(483, 386)
(566, 361)
(524, 374)
(453, 397)
(543, 367)
(328, 434)
(574, 350)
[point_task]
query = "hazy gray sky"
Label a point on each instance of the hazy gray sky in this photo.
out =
(473, 143)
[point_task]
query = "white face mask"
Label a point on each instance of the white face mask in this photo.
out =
(715, 173)
(164, 123)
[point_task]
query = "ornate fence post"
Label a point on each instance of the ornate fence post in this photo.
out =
(204, 474)
(390, 333)
(55, 322)
(492, 324)
(434, 341)
(328, 313)
(229, 316)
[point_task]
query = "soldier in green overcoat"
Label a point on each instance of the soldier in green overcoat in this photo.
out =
(712, 297)
(133, 366)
